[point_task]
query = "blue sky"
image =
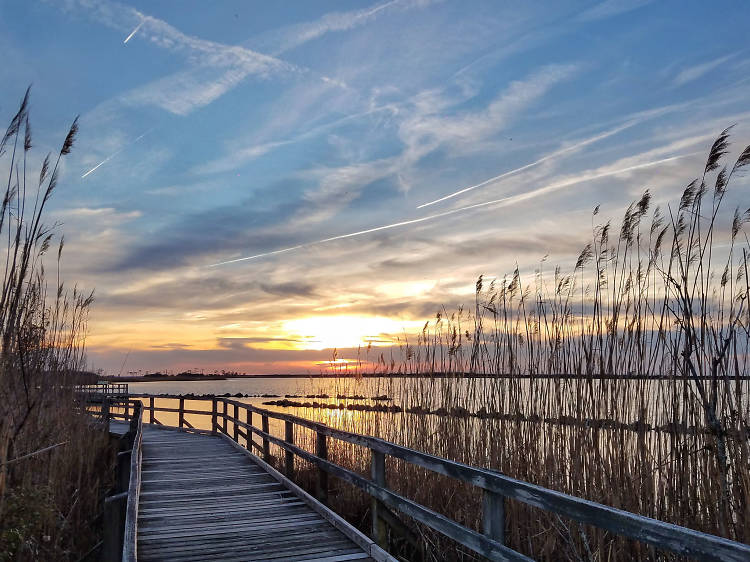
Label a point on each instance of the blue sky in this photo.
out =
(212, 132)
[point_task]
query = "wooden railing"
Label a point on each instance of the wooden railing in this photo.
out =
(121, 506)
(495, 487)
(94, 393)
(130, 535)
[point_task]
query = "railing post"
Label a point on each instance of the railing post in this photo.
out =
(266, 444)
(151, 410)
(378, 477)
(224, 417)
(213, 415)
(321, 451)
(127, 409)
(105, 408)
(122, 471)
(114, 527)
(493, 516)
(137, 411)
(249, 420)
(236, 427)
(288, 455)
(181, 413)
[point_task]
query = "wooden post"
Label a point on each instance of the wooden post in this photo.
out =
(137, 410)
(127, 409)
(236, 427)
(377, 471)
(224, 417)
(122, 471)
(213, 415)
(114, 527)
(151, 409)
(288, 455)
(321, 451)
(181, 413)
(266, 444)
(105, 408)
(249, 420)
(493, 516)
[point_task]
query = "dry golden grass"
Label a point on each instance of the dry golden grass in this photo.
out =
(623, 381)
(54, 464)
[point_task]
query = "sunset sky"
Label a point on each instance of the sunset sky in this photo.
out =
(256, 183)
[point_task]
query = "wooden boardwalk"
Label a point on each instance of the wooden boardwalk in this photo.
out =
(204, 499)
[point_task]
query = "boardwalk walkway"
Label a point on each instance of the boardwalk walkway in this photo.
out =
(203, 499)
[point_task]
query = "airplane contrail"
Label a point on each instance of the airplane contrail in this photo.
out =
(129, 37)
(549, 156)
(108, 158)
(503, 201)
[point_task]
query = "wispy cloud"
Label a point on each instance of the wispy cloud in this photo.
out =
(699, 70)
(424, 130)
(237, 157)
(611, 8)
(293, 36)
(501, 202)
(214, 68)
(556, 154)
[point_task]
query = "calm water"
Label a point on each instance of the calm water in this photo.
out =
(627, 401)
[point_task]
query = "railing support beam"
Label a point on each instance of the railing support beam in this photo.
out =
(266, 444)
(321, 451)
(224, 417)
(214, 412)
(377, 469)
(493, 516)
(114, 527)
(105, 409)
(249, 421)
(288, 455)
(181, 413)
(122, 471)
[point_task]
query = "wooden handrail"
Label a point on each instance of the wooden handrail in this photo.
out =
(129, 546)
(496, 486)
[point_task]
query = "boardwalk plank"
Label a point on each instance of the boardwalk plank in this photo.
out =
(201, 499)
(248, 542)
(267, 507)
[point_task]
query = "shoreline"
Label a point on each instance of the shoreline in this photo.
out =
(217, 377)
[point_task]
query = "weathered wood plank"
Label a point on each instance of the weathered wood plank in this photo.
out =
(255, 499)
(167, 527)
(229, 530)
(286, 547)
(302, 534)
(200, 498)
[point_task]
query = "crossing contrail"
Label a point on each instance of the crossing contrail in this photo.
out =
(549, 156)
(502, 202)
(129, 37)
(108, 158)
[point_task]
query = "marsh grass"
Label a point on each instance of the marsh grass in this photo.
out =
(54, 464)
(623, 380)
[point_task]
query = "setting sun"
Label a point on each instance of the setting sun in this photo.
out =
(327, 332)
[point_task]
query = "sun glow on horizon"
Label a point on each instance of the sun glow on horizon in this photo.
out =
(328, 332)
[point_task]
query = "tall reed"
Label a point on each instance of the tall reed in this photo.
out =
(51, 458)
(623, 380)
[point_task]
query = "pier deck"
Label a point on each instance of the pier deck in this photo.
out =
(203, 499)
